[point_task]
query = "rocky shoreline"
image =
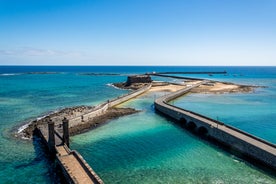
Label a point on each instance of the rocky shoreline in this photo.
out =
(26, 131)
(217, 87)
(112, 113)
(212, 87)
(109, 115)
(134, 86)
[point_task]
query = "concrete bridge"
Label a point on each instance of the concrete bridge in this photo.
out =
(74, 167)
(252, 147)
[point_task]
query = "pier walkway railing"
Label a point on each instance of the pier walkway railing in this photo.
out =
(73, 165)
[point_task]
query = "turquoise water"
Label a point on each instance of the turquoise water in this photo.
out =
(146, 148)
(25, 97)
(140, 148)
(254, 112)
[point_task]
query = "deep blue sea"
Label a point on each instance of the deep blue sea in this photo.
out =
(140, 148)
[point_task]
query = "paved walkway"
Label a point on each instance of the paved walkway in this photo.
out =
(268, 148)
(74, 165)
(250, 139)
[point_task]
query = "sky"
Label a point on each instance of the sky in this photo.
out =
(138, 32)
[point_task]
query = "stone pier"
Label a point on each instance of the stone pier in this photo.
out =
(74, 167)
(250, 146)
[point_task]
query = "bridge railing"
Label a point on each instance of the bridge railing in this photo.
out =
(228, 126)
(58, 135)
(177, 94)
(90, 172)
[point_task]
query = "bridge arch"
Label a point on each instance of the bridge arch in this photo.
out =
(202, 131)
(182, 121)
(191, 125)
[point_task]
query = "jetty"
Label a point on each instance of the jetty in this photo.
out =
(76, 170)
(210, 72)
(55, 135)
(74, 167)
(243, 143)
(171, 74)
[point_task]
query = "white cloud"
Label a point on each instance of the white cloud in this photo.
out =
(32, 52)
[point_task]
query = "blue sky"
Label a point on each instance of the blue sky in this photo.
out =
(138, 32)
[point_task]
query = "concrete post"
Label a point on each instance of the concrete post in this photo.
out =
(51, 136)
(65, 125)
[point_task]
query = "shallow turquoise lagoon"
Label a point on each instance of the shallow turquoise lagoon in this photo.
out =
(253, 112)
(140, 148)
(24, 97)
(147, 148)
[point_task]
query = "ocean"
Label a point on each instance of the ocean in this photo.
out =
(139, 148)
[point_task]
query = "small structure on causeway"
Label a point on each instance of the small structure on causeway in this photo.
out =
(138, 79)
(55, 135)
(75, 169)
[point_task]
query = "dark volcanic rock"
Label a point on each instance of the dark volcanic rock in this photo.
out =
(134, 82)
(57, 117)
(133, 86)
(110, 114)
(138, 79)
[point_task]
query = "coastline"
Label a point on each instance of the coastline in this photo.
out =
(25, 131)
(216, 87)
(83, 118)
(102, 119)
(22, 149)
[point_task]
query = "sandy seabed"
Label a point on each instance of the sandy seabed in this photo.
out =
(211, 87)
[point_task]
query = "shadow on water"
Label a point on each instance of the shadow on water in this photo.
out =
(54, 172)
(228, 150)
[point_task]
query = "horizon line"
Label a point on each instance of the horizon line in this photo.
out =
(146, 65)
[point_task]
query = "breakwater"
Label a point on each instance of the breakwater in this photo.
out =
(175, 77)
(170, 74)
(246, 144)
(56, 136)
(74, 167)
(210, 72)
(102, 108)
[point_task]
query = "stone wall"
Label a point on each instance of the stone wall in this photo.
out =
(138, 79)
(128, 96)
(246, 148)
(85, 166)
(98, 110)
(246, 144)
(95, 178)
(101, 108)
